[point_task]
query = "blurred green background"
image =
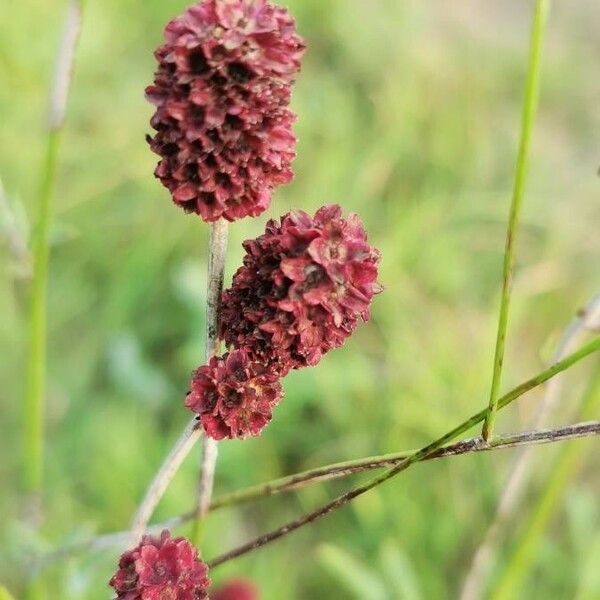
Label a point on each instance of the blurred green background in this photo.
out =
(408, 114)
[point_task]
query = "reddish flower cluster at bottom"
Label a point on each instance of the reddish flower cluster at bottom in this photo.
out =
(161, 568)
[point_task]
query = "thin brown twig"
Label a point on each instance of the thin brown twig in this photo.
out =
(329, 472)
(467, 446)
(585, 351)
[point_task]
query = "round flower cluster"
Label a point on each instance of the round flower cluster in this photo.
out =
(161, 568)
(234, 396)
(222, 91)
(304, 286)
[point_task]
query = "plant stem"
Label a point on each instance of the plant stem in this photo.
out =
(33, 406)
(468, 446)
(36, 367)
(163, 478)
(527, 120)
(217, 249)
(562, 472)
(35, 390)
(193, 431)
(349, 467)
(418, 456)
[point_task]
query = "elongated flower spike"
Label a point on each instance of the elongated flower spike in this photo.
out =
(221, 92)
(304, 286)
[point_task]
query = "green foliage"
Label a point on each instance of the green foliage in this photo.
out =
(384, 576)
(5, 594)
(561, 475)
(351, 575)
(409, 115)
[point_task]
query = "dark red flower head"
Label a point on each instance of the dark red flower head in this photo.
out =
(236, 589)
(159, 569)
(234, 396)
(302, 289)
(221, 91)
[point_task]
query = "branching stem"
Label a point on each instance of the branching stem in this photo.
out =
(404, 464)
(468, 446)
(373, 462)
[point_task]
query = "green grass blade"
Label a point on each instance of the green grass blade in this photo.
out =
(527, 121)
(351, 574)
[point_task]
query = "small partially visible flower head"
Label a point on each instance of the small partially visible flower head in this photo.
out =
(236, 589)
(234, 396)
(161, 568)
(221, 91)
(303, 288)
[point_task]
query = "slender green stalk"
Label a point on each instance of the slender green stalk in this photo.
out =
(33, 430)
(299, 480)
(36, 367)
(527, 120)
(348, 467)
(418, 456)
(567, 463)
(35, 392)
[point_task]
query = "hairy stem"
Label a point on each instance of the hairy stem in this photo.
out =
(163, 478)
(527, 120)
(217, 250)
(33, 406)
(404, 464)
